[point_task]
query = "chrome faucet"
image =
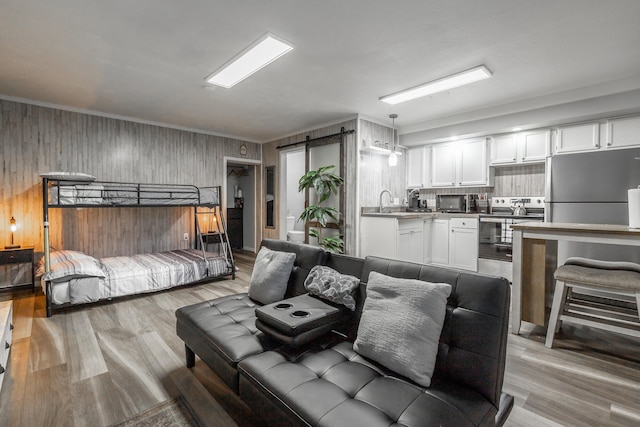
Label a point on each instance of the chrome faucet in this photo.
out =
(382, 194)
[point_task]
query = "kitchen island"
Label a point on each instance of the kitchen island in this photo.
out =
(535, 259)
(438, 238)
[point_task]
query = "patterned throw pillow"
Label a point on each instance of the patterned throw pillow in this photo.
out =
(329, 284)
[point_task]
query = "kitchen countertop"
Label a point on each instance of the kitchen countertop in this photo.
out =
(419, 215)
(575, 227)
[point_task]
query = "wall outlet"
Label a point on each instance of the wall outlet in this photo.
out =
(186, 236)
(396, 200)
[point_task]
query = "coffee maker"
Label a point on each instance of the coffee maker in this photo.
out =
(414, 199)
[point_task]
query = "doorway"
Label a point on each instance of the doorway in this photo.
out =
(292, 165)
(239, 193)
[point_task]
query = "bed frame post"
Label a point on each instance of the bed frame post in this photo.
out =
(46, 248)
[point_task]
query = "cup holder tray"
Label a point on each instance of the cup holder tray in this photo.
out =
(299, 314)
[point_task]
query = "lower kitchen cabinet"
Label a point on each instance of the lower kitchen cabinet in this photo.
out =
(409, 240)
(440, 242)
(463, 243)
(390, 237)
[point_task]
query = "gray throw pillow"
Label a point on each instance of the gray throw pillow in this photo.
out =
(270, 275)
(401, 324)
(329, 284)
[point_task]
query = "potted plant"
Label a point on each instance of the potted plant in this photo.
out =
(324, 183)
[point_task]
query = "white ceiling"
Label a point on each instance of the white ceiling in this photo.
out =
(147, 59)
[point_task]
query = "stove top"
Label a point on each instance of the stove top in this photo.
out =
(505, 205)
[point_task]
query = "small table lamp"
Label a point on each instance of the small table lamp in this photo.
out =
(13, 228)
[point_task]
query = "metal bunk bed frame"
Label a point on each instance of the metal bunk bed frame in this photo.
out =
(138, 195)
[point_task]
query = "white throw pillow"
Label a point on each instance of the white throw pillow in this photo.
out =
(401, 324)
(270, 275)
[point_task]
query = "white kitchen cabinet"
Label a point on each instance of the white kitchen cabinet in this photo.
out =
(522, 147)
(577, 138)
(427, 237)
(535, 145)
(440, 242)
(460, 164)
(443, 165)
(504, 149)
(409, 240)
(391, 237)
(463, 243)
(623, 133)
(473, 162)
(418, 167)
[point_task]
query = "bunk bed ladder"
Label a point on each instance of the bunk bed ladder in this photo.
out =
(223, 236)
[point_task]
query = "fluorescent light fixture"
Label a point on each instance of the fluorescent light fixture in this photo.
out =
(446, 83)
(516, 129)
(257, 56)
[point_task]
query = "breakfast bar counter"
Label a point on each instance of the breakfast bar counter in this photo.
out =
(535, 259)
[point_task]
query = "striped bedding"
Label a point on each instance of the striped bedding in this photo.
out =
(128, 275)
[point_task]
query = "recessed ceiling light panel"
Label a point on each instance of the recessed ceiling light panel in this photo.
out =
(257, 56)
(446, 83)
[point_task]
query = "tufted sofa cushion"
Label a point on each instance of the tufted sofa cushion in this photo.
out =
(338, 387)
(222, 332)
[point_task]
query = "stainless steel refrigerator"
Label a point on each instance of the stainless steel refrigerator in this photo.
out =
(592, 188)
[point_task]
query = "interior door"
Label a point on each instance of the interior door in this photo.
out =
(325, 152)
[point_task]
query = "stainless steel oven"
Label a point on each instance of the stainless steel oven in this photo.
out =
(495, 235)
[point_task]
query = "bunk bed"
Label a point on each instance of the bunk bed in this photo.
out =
(72, 277)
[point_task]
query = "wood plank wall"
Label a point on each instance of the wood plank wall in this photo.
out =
(375, 174)
(271, 157)
(35, 139)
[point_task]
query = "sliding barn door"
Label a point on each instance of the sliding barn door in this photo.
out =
(319, 153)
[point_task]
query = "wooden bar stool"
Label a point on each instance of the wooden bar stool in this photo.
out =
(611, 300)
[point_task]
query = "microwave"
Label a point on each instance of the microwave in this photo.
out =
(457, 203)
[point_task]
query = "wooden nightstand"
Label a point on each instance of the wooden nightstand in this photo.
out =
(11, 261)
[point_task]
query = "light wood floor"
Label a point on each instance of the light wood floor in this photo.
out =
(100, 364)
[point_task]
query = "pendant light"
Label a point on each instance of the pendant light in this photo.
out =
(393, 157)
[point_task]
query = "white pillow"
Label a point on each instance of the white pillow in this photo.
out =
(68, 176)
(270, 275)
(401, 324)
(74, 268)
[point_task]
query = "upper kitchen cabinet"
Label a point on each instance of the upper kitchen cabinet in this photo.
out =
(504, 149)
(535, 145)
(624, 132)
(418, 167)
(460, 164)
(523, 147)
(577, 138)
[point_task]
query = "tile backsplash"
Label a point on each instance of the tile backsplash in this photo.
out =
(521, 180)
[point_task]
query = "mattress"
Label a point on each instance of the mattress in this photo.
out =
(129, 275)
(124, 194)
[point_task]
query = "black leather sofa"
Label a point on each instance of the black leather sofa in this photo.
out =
(327, 383)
